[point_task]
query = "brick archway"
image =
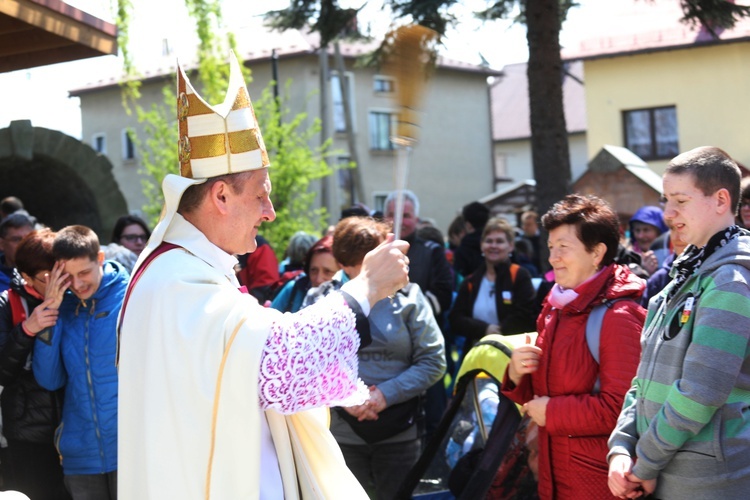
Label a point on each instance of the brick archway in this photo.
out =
(60, 180)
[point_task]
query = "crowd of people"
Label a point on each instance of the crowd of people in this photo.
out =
(188, 362)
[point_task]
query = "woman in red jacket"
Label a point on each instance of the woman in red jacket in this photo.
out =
(575, 400)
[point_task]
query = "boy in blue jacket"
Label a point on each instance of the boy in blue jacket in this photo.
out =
(78, 352)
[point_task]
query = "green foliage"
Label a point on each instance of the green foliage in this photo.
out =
(433, 14)
(503, 9)
(158, 153)
(131, 86)
(714, 15)
(324, 16)
(213, 73)
(294, 166)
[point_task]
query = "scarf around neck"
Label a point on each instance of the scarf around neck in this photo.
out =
(693, 257)
(560, 297)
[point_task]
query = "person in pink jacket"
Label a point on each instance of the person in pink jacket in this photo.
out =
(574, 399)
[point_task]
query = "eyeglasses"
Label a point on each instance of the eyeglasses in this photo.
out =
(745, 204)
(130, 238)
(42, 280)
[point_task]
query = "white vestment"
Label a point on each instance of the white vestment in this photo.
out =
(190, 418)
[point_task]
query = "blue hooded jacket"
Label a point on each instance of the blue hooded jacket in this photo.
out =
(6, 274)
(648, 215)
(78, 353)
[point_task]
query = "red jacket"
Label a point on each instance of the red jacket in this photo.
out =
(260, 271)
(573, 444)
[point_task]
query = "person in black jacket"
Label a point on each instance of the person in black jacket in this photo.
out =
(30, 413)
(428, 266)
(468, 256)
(499, 296)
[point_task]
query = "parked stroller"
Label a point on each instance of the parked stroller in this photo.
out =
(481, 446)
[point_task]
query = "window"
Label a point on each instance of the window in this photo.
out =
(166, 49)
(346, 181)
(652, 133)
(381, 124)
(378, 199)
(383, 84)
(501, 169)
(99, 143)
(339, 119)
(128, 148)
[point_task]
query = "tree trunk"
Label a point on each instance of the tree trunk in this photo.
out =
(549, 137)
(328, 184)
(358, 194)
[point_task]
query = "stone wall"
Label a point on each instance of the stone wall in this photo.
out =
(60, 180)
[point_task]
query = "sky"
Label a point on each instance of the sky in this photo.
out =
(41, 94)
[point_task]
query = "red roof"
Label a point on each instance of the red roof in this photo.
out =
(629, 26)
(509, 96)
(258, 45)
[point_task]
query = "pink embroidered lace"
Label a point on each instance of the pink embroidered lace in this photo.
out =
(310, 359)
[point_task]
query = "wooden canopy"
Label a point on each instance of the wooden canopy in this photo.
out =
(40, 32)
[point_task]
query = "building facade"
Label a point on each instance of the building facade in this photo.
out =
(450, 166)
(511, 127)
(659, 87)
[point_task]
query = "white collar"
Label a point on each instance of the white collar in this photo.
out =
(183, 233)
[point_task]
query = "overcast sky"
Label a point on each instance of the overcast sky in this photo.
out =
(41, 94)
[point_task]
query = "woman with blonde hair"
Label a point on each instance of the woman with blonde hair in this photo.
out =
(499, 296)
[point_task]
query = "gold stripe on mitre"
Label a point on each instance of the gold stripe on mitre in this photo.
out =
(207, 146)
(242, 101)
(211, 146)
(183, 107)
(243, 141)
(196, 106)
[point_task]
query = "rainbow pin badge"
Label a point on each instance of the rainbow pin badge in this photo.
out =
(687, 310)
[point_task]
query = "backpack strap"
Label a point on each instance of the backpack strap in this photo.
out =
(594, 332)
(18, 312)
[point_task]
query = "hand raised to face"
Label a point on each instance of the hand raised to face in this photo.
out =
(57, 282)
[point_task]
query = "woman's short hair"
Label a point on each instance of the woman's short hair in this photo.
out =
(296, 250)
(125, 221)
(457, 226)
(34, 253)
(354, 237)
(498, 224)
(593, 218)
(431, 233)
(323, 245)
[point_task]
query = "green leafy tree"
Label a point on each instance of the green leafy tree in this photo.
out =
(158, 151)
(294, 164)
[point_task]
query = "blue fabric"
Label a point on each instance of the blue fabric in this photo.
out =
(657, 281)
(648, 215)
(79, 353)
(6, 275)
(292, 294)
